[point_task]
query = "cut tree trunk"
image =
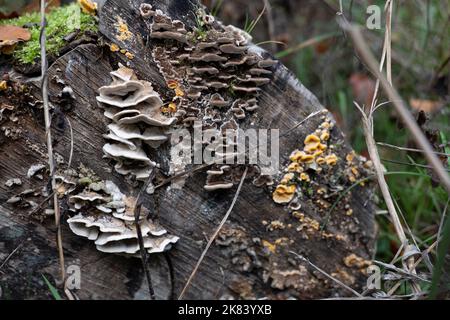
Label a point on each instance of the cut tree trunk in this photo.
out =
(253, 259)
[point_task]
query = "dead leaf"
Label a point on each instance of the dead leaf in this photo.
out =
(323, 46)
(10, 36)
(427, 106)
(363, 88)
(14, 33)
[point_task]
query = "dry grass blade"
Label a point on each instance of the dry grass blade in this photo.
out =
(214, 236)
(400, 106)
(44, 87)
(409, 149)
(375, 157)
(270, 23)
(400, 271)
(301, 122)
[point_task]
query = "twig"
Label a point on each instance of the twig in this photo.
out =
(343, 285)
(44, 87)
(137, 213)
(301, 122)
(10, 255)
(69, 164)
(409, 149)
(214, 236)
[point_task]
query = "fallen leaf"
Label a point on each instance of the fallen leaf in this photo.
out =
(14, 33)
(427, 106)
(363, 88)
(10, 36)
(323, 46)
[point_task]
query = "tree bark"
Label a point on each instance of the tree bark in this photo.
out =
(27, 245)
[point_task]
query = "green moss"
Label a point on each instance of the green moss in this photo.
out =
(60, 22)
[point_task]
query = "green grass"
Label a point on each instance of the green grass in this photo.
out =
(53, 290)
(61, 22)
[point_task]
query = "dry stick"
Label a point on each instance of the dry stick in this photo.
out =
(301, 122)
(356, 293)
(44, 87)
(401, 108)
(137, 213)
(69, 163)
(214, 236)
(10, 255)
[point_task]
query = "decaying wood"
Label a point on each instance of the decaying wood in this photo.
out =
(239, 265)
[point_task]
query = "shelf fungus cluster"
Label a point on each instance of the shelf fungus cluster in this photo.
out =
(137, 124)
(319, 175)
(105, 215)
(214, 76)
(316, 155)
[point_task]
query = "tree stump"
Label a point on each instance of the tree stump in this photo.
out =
(256, 253)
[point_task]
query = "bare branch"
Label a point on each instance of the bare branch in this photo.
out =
(214, 236)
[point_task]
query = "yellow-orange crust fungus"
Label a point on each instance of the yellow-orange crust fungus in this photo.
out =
(295, 167)
(312, 138)
(114, 47)
(283, 193)
(325, 136)
(304, 177)
(331, 159)
(353, 260)
(88, 6)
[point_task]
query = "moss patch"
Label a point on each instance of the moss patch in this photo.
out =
(60, 22)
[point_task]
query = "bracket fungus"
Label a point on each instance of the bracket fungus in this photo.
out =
(211, 64)
(106, 217)
(137, 121)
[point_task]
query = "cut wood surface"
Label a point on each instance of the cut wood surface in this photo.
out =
(240, 264)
